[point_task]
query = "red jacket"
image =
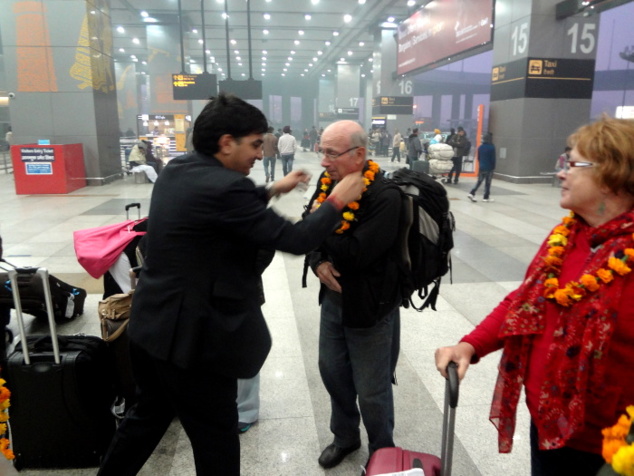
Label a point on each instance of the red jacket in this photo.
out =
(600, 413)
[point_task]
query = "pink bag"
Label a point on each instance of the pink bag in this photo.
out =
(98, 248)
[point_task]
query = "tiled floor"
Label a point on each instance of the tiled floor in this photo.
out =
(494, 243)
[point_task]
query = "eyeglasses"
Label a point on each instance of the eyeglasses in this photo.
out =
(333, 155)
(568, 164)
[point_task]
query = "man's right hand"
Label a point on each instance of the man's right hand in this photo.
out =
(349, 188)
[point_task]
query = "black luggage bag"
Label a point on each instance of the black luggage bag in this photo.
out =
(61, 395)
(68, 301)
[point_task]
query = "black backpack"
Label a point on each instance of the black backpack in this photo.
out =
(425, 236)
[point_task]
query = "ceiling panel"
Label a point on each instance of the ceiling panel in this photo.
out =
(285, 32)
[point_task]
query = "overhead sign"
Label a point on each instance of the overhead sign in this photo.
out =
(393, 105)
(543, 78)
(347, 112)
(443, 29)
(194, 86)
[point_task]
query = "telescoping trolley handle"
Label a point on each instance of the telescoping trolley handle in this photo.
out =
(133, 205)
(13, 278)
(449, 418)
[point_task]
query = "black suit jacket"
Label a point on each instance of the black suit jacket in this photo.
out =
(197, 301)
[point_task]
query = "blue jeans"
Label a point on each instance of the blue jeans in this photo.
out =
(359, 362)
(486, 178)
(266, 161)
(287, 163)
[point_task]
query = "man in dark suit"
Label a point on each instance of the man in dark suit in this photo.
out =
(196, 324)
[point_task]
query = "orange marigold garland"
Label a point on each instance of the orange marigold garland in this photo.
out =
(618, 450)
(347, 212)
(5, 394)
(575, 291)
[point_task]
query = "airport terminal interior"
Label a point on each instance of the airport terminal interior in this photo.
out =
(140, 70)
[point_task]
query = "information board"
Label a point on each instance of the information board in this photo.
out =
(393, 105)
(194, 86)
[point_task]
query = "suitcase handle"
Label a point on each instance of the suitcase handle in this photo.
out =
(13, 278)
(452, 387)
(133, 205)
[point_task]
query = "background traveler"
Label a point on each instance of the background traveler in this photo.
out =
(486, 159)
(287, 145)
(461, 146)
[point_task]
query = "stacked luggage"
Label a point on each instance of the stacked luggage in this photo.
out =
(61, 391)
(439, 156)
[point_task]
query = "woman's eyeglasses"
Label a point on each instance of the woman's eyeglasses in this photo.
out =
(568, 164)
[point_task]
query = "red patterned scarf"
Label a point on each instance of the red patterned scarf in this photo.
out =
(576, 358)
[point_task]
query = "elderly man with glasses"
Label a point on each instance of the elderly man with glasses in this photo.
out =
(359, 297)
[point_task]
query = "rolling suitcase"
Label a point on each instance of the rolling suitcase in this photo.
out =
(397, 461)
(61, 394)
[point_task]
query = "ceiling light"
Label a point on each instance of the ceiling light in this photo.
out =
(287, 64)
(120, 29)
(292, 52)
(296, 42)
(370, 60)
(238, 58)
(349, 53)
(266, 32)
(267, 16)
(329, 70)
(314, 2)
(233, 42)
(283, 74)
(264, 52)
(308, 16)
(194, 31)
(244, 74)
(263, 70)
(236, 52)
(310, 64)
(323, 75)
(391, 19)
(328, 43)
(220, 1)
(361, 43)
(200, 41)
(347, 18)
(361, 2)
(363, 75)
(290, 58)
(315, 59)
(319, 53)
(411, 3)
(301, 32)
(239, 64)
(121, 50)
(302, 74)
(136, 41)
(343, 60)
(208, 51)
(145, 14)
(285, 69)
(335, 33)
(263, 58)
(224, 15)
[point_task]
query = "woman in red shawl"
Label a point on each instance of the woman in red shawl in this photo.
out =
(568, 330)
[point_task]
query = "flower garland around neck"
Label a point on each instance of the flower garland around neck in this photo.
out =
(4, 417)
(573, 291)
(348, 211)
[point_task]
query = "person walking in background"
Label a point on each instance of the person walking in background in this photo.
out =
(568, 330)
(194, 330)
(269, 150)
(314, 138)
(396, 146)
(461, 147)
(359, 297)
(486, 159)
(287, 145)
(9, 137)
(414, 147)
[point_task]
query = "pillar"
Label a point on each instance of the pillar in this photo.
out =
(541, 84)
(58, 58)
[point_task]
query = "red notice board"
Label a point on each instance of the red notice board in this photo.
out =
(43, 169)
